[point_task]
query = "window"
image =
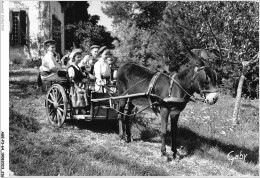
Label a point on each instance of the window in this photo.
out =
(18, 27)
(56, 33)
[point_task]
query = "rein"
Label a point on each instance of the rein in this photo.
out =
(177, 83)
(152, 83)
(130, 115)
(133, 86)
(191, 97)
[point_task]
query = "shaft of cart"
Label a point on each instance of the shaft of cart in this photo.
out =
(119, 97)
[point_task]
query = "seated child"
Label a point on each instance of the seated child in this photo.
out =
(102, 70)
(89, 69)
(50, 66)
(78, 93)
(87, 63)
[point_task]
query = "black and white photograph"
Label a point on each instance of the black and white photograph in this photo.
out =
(129, 88)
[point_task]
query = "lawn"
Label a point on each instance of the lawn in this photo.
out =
(206, 138)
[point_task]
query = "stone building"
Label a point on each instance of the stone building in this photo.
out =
(32, 22)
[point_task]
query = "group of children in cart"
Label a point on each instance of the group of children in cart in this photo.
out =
(93, 67)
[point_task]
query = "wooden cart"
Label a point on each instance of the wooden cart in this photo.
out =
(59, 107)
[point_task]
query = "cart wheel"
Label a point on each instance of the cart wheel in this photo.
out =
(56, 105)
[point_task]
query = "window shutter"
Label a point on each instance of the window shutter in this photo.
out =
(11, 27)
(23, 27)
(11, 21)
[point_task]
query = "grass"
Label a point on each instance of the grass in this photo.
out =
(93, 148)
(56, 154)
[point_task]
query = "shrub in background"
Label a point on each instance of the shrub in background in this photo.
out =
(16, 57)
(33, 63)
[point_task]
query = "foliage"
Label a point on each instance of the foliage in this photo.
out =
(33, 63)
(135, 26)
(251, 84)
(76, 11)
(143, 14)
(235, 29)
(87, 34)
(16, 58)
(228, 30)
(84, 31)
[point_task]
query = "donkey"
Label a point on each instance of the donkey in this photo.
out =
(168, 95)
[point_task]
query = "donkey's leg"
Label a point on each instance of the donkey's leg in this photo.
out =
(128, 122)
(174, 122)
(164, 114)
(121, 122)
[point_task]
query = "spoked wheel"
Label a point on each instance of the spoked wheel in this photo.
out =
(56, 105)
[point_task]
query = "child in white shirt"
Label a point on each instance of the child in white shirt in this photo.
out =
(102, 69)
(50, 66)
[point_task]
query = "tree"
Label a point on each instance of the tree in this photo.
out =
(228, 30)
(240, 85)
(83, 29)
(87, 34)
(143, 14)
(76, 12)
(135, 25)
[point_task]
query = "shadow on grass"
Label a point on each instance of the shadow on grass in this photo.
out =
(100, 126)
(20, 73)
(187, 138)
(195, 141)
(23, 89)
(250, 106)
(22, 85)
(192, 142)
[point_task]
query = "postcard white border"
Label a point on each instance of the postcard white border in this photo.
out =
(5, 88)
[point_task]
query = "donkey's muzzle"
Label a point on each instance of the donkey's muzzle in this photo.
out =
(211, 98)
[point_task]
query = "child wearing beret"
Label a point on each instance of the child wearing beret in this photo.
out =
(50, 66)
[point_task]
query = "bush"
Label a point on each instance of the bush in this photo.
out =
(16, 59)
(16, 56)
(33, 63)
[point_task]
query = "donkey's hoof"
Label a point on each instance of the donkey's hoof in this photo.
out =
(129, 139)
(163, 154)
(169, 158)
(121, 137)
(176, 156)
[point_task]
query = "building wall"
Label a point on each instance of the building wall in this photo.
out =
(33, 15)
(36, 25)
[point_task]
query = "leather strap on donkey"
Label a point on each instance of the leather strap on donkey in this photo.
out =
(150, 88)
(174, 99)
(169, 98)
(152, 82)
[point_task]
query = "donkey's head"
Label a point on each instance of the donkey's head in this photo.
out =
(204, 79)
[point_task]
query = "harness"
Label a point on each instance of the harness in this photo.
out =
(150, 88)
(174, 99)
(191, 97)
(152, 83)
(154, 79)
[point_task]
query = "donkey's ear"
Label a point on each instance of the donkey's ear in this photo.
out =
(195, 58)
